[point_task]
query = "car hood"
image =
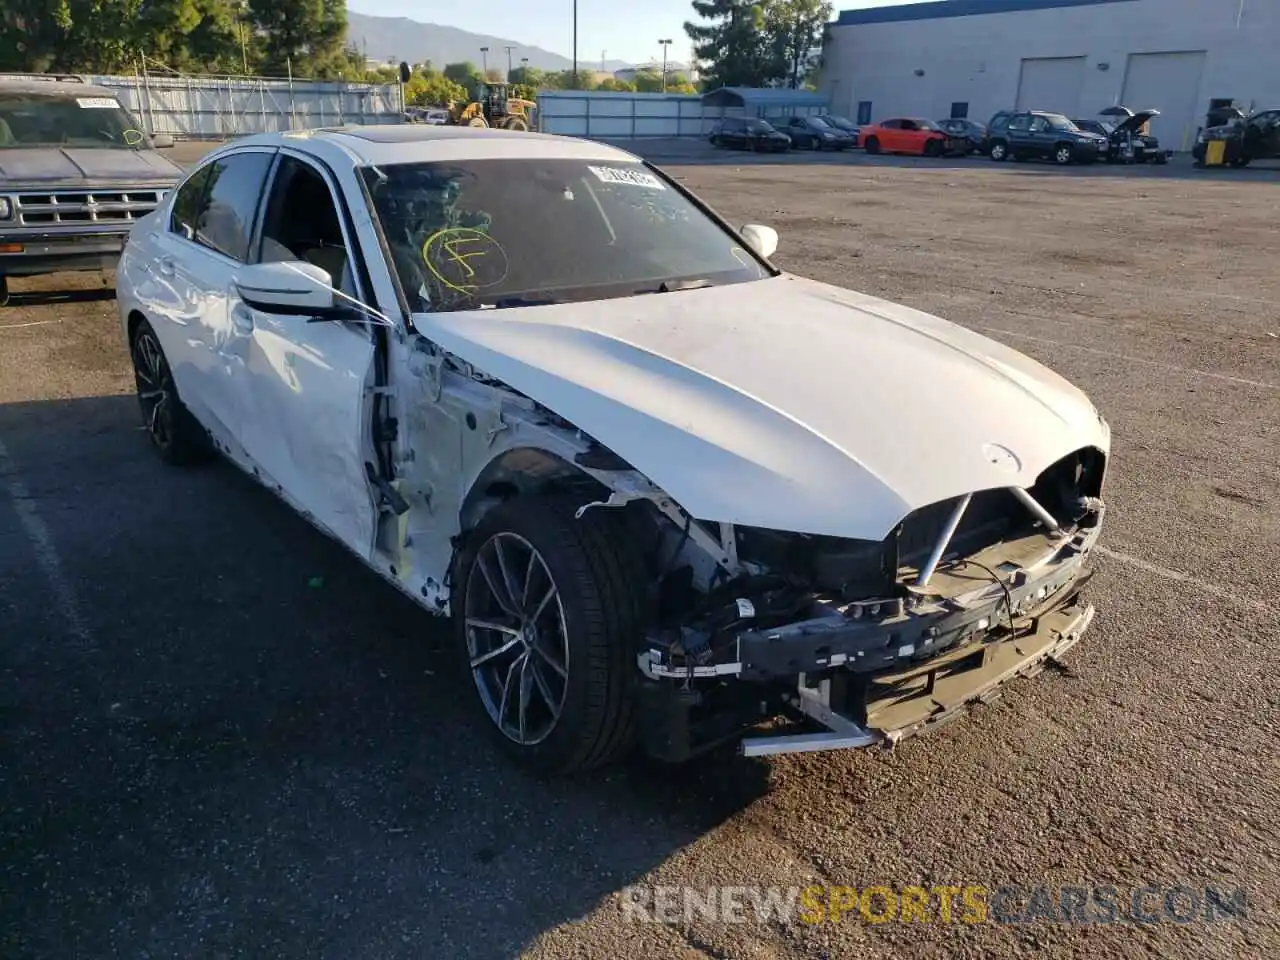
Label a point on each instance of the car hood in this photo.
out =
(45, 165)
(785, 403)
(1133, 124)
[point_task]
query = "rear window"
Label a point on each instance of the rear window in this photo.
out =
(515, 232)
(34, 120)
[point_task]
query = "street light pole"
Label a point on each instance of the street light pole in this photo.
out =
(575, 44)
(509, 49)
(484, 61)
(665, 45)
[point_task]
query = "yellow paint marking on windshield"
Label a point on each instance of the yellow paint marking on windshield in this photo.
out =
(133, 137)
(454, 253)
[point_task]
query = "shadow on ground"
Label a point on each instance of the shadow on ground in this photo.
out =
(223, 736)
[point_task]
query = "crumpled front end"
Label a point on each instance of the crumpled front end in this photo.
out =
(858, 643)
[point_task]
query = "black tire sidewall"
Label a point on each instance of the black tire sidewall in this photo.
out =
(597, 672)
(189, 443)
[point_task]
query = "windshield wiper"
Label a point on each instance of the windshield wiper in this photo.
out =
(503, 302)
(671, 286)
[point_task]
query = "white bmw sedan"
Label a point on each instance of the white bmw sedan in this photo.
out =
(665, 490)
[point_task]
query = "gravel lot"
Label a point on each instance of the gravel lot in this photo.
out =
(221, 737)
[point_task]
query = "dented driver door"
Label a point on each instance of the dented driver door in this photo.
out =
(305, 379)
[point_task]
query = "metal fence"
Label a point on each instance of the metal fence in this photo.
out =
(581, 113)
(217, 108)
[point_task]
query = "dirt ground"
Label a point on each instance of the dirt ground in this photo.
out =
(223, 738)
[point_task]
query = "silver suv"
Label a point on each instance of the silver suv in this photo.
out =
(76, 171)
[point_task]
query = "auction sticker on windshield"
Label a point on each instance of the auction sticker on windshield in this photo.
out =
(632, 178)
(98, 103)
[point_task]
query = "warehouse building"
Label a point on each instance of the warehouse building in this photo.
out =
(970, 58)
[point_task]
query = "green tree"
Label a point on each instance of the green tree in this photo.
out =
(648, 80)
(732, 40)
(614, 85)
(466, 73)
(434, 89)
(794, 29)
(307, 35)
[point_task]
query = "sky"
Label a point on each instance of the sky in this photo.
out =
(623, 31)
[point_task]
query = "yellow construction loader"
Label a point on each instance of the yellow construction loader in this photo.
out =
(494, 107)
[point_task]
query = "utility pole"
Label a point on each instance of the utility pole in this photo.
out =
(484, 61)
(665, 45)
(509, 49)
(575, 44)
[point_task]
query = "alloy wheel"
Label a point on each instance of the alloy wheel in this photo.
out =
(1063, 155)
(155, 393)
(516, 638)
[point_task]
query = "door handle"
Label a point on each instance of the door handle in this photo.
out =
(165, 266)
(241, 320)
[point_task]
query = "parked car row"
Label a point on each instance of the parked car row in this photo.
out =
(1117, 135)
(1244, 138)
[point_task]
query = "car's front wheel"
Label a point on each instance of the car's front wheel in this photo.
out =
(548, 616)
(1063, 154)
(999, 151)
(873, 145)
(4, 291)
(174, 432)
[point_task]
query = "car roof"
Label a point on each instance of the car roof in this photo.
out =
(62, 89)
(412, 142)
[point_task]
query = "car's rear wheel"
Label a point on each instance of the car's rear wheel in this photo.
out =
(548, 618)
(516, 124)
(1063, 154)
(999, 151)
(1240, 162)
(873, 145)
(174, 432)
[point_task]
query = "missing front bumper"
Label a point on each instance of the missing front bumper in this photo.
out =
(902, 703)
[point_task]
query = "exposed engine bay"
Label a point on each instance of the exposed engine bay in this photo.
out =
(836, 631)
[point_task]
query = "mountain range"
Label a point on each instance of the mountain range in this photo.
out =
(399, 38)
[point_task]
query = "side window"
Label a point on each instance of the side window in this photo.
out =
(1019, 124)
(891, 124)
(234, 189)
(909, 125)
(301, 223)
(1039, 125)
(189, 204)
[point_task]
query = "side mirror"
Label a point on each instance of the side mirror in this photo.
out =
(162, 141)
(292, 288)
(763, 240)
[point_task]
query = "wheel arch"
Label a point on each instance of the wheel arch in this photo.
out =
(524, 470)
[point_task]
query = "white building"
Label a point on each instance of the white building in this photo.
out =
(970, 58)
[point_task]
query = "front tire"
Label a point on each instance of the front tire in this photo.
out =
(173, 431)
(1063, 154)
(999, 151)
(932, 148)
(4, 291)
(873, 145)
(548, 617)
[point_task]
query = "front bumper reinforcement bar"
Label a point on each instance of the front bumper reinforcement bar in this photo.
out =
(925, 695)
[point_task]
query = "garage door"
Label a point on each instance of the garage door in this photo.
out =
(1051, 84)
(1169, 82)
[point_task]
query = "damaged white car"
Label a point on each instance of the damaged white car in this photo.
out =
(666, 492)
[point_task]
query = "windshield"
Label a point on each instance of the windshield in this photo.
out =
(928, 125)
(842, 122)
(33, 120)
(521, 232)
(759, 126)
(1059, 122)
(821, 122)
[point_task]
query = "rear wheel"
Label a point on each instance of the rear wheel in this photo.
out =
(999, 151)
(174, 432)
(1240, 162)
(548, 617)
(516, 123)
(873, 145)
